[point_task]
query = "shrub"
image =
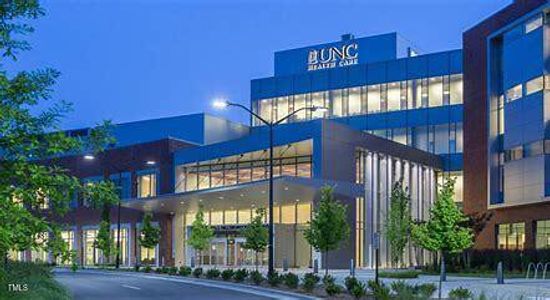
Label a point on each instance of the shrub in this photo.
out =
(426, 290)
(213, 273)
(185, 271)
(136, 267)
(402, 290)
(460, 293)
(172, 270)
(197, 272)
(39, 280)
(257, 277)
(240, 275)
(274, 279)
(147, 269)
(333, 289)
(310, 280)
(358, 290)
(327, 279)
(158, 270)
(291, 280)
(227, 274)
(379, 290)
(400, 274)
(350, 282)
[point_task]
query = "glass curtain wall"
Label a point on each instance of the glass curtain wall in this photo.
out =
(290, 160)
(385, 97)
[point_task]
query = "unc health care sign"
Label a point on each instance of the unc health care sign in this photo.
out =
(332, 57)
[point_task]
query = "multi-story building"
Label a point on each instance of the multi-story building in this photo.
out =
(391, 113)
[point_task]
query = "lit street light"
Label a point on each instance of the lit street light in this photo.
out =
(222, 104)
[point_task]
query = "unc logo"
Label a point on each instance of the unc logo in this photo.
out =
(331, 57)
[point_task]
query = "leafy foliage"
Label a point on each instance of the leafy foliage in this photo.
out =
(379, 290)
(213, 273)
(104, 241)
(358, 290)
(29, 133)
(240, 275)
(274, 278)
(201, 233)
(398, 225)
(256, 234)
(291, 280)
(227, 274)
(310, 280)
(328, 227)
(185, 271)
(257, 277)
(460, 293)
(333, 289)
(197, 272)
(150, 234)
(444, 231)
(350, 282)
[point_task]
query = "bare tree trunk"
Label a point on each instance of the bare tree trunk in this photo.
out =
(256, 260)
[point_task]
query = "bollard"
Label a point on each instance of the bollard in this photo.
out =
(500, 273)
(285, 264)
(193, 262)
(351, 268)
(315, 266)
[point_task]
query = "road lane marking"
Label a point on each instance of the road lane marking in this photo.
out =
(131, 287)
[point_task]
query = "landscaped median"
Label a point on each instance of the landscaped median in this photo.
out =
(288, 285)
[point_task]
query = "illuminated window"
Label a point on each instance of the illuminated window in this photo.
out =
(514, 153)
(265, 109)
(304, 213)
(124, 246)
(394, 96)
(244, 216)
(534, 85)
(318, 100)
(456, 89)
(216, 218)
(373, 98)
(533, 24)
(436, 91)
(511, 236)
(148, 256)
(300, 102)
(147, 185)
(337, 103)
(68, 237)
(543, 234)
(91, 253)
(514, 93)
(230, 217)
(354, 101)
(288, 214)
(282, 108)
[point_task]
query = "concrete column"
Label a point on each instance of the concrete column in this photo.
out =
(179, 239)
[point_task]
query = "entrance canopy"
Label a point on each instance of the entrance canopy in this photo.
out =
(287, 190)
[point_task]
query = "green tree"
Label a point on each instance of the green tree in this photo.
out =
(256, 234)
(328, 227)
(30, 133)
(150, 234)
(398, 223)
(201, 234)
(58, 247)
(445, 231)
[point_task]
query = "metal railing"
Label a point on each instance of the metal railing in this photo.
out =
(536, 267)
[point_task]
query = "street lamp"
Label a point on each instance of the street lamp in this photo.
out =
(221, 104)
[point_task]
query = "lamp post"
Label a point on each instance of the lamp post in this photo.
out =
(220, 104)
(119, 171)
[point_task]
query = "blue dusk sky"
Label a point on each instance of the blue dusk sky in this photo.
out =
(129, 60)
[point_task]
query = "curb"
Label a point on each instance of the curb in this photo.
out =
(238, 287)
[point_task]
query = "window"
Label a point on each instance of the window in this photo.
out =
(265, 109)
(318, 100)
(456, 89)
(534, 85)
(436, 91)
(282, 108)
(147, 185)
(511, 236)
(514, 153)
(68, 238)
(533, 24)
(543, 235)
(299, 102)
(394, 96)
(354, 101)
(514, 93)
(124, 246)
(373, 99)
(533, 149)
(337, 103)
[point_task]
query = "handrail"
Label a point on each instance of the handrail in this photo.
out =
(546, 265)
(537, 269)
(529, 269)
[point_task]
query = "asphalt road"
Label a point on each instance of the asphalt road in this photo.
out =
(105, 285)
